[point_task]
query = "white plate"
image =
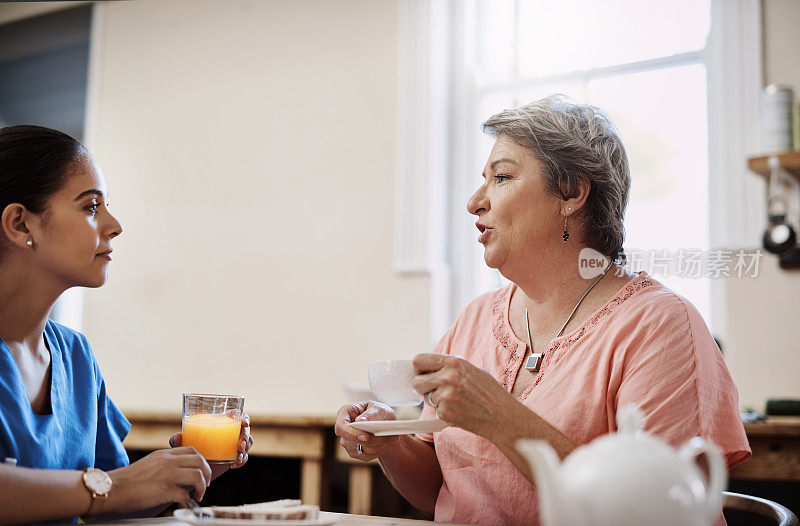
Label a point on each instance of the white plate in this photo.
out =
(381, 428)
(187, 516)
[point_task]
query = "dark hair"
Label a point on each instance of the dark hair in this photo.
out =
(34, 164)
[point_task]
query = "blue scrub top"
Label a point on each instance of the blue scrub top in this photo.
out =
(85, 428)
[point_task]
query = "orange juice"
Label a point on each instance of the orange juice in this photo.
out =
(216, 437)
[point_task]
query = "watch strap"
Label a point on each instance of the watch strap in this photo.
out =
(96, 497)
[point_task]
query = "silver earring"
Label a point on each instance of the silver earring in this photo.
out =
(29, 243)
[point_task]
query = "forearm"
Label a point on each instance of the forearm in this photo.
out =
(412, 467)
(32, 495)
(523, 423)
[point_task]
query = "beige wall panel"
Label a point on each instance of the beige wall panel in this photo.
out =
(250, 152)
(762, 350)
(763, 314)
(781, 41)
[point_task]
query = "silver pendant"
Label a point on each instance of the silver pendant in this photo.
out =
(534, 362)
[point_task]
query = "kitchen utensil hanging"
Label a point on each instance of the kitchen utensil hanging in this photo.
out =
(780, 235)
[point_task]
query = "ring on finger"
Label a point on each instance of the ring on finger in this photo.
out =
(359, 449)
(430, 401)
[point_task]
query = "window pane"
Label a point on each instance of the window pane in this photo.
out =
(575, 35)
(573, 89)
(662, 116)
(494, 53)
(490, 104)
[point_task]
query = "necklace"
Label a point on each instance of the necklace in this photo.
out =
(534, 361)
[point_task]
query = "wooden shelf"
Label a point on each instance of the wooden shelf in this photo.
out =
(784, 426)
(256, 419)
(790, 161)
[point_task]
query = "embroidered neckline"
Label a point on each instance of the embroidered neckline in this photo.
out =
(516, 349)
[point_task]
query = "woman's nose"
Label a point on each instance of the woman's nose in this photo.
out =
(114, 228)
(477, 202)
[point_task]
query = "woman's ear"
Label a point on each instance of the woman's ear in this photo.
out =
(577, 200)
(12, 224)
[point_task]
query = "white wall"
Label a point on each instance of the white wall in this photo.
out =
(762, 349)
(762, 346)
(249, 148)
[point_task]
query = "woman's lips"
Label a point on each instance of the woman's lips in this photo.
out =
(105, 255)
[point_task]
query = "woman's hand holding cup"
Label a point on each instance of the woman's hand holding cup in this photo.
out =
(359, 444)
(218, 428)
(391, 382)
(245, 443)
(466, 396)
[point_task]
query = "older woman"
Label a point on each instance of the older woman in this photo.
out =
(553, 355)
(60, 433)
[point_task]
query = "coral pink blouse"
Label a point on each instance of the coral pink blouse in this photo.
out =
(645, 345)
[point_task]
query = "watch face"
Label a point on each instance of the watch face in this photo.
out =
(98, 481)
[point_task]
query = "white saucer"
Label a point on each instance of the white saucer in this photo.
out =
(381, 428)
(186, 515)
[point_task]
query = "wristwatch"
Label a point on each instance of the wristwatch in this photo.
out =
(98, 484)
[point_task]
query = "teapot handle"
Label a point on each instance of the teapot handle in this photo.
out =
(718, 475)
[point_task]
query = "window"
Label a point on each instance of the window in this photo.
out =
(657, 68)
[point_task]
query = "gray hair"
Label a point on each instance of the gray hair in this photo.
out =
(576, 141)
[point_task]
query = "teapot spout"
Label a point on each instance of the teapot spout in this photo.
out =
(554, 505)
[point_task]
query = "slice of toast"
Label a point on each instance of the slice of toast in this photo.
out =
(287, 509)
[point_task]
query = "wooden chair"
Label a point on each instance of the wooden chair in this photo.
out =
(741, 510)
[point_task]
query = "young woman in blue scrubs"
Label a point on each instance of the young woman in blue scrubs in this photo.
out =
(60, 435)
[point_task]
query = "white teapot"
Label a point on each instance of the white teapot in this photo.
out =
(627, 478)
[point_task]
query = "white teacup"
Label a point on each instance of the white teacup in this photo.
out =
(392, 382)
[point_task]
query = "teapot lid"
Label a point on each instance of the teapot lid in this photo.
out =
(630, 446)
(630, 419)
(630, 441)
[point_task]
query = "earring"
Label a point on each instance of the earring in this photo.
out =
(29, 243)
(565, 236)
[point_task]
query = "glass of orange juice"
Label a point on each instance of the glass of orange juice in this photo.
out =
(211, 425)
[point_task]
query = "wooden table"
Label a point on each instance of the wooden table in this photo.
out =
(342, 519)
(776, 451)
(359, 487)
(775, 445)
(301, 437)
